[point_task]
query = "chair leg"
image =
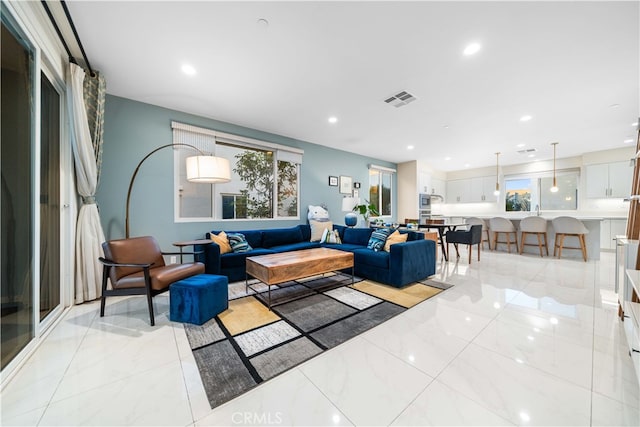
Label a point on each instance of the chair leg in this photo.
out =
(561, 245)
(495, 240)
(147, 282)
(103, 298)
(523, 237)
(555, 244)
(508, 242)
(470, 250)
(515, 235)
(539, 245)
(479, 246)
(455, 245)
(583, 246)
(546, 243)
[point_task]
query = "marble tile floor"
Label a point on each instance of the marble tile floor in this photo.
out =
(519, 340)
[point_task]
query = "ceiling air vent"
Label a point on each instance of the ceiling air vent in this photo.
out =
(400, 99)
(527, 151)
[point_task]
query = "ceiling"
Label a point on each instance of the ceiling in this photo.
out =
(286, 67)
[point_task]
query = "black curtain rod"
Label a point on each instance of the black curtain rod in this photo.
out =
(75, 33)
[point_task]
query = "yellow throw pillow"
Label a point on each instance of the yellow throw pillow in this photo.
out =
(222, 241)
(317, 228)
(395, 237)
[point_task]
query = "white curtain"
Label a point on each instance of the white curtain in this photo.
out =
(89, 234)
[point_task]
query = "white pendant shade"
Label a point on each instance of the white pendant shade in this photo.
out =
(208, 169)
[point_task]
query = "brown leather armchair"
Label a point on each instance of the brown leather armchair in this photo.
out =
(136, 267)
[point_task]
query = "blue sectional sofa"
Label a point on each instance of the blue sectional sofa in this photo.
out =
(405, 263)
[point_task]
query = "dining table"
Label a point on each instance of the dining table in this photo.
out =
(442, 229)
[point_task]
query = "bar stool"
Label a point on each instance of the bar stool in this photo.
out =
(534, 225)
(499, 225)
(572, 227)
(485, 229)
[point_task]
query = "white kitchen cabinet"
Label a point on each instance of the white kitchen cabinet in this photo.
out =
(609, 180)
(609, 229)
(438, 187)
(482, 189)
(459, 191)
(424, 182)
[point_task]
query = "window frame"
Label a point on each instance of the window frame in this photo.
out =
(382, 170)
(281, 153)
(537, 177)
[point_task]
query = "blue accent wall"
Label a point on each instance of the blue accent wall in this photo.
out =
(133, 129)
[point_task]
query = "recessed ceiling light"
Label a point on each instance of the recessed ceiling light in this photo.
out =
(410, 147)
(447, 158)
(188, 70)
(531, 155)
(614, 105)
(628, 141)
(333, 119)
(525, 118)
(466, 165)
(634, 124)
(471, 49)
(262, 23)
(520, 145)
(446, 126)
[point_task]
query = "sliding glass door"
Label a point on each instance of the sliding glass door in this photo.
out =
(16, 115)
(30, 168)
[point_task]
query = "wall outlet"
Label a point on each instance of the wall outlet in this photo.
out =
(173, 259)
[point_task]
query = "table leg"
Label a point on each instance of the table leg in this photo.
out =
(442, 245)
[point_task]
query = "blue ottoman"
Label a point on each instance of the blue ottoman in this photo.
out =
(199, 298)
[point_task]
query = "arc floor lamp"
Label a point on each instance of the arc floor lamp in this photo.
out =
(203, 168)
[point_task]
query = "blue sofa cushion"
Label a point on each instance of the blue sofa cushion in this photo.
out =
(343, 247)
(281, 236)
(305, 229)
(295, 246)
(239, 259)
(357, 236)
(370, 257)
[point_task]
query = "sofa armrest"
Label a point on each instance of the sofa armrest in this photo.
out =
(416, 258)
(210, 258)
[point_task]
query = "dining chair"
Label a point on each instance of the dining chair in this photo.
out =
(485, 229)
(470, 237)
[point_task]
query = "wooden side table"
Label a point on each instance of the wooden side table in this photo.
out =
(181, 245)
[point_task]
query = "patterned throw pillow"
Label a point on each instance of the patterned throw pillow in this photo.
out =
(329, 236)
(395, 237)
(378, 239)
(238, 242)
(222, 241)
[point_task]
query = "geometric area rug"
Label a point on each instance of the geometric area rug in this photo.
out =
(248, 344)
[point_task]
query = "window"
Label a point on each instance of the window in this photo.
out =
(530, 193)
(380, 181)
(264, 182)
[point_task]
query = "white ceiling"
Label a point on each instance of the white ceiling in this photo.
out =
(563, 63)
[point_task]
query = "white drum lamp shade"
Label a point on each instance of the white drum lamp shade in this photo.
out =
(208, 169)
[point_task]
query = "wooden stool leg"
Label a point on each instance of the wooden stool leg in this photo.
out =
(479, 246)
(495, 240)
(515, 234)
(583, 246)
(539, 244)
(523, 237)
(470, 246)
(546, 244)
(561, 245)
(508, 242)
(555, 244)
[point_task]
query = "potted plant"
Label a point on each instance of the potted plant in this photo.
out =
(367, 210)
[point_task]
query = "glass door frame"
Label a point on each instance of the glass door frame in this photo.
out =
(46, 54)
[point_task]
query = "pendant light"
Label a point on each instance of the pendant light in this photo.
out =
(554, 188)
(497, 192)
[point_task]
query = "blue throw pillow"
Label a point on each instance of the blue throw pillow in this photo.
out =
(238, 242)
(378, 239)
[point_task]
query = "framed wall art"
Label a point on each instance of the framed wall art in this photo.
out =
(346, 184)
(333, 181)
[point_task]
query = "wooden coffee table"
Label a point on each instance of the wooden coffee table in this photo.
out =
(279, 268)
